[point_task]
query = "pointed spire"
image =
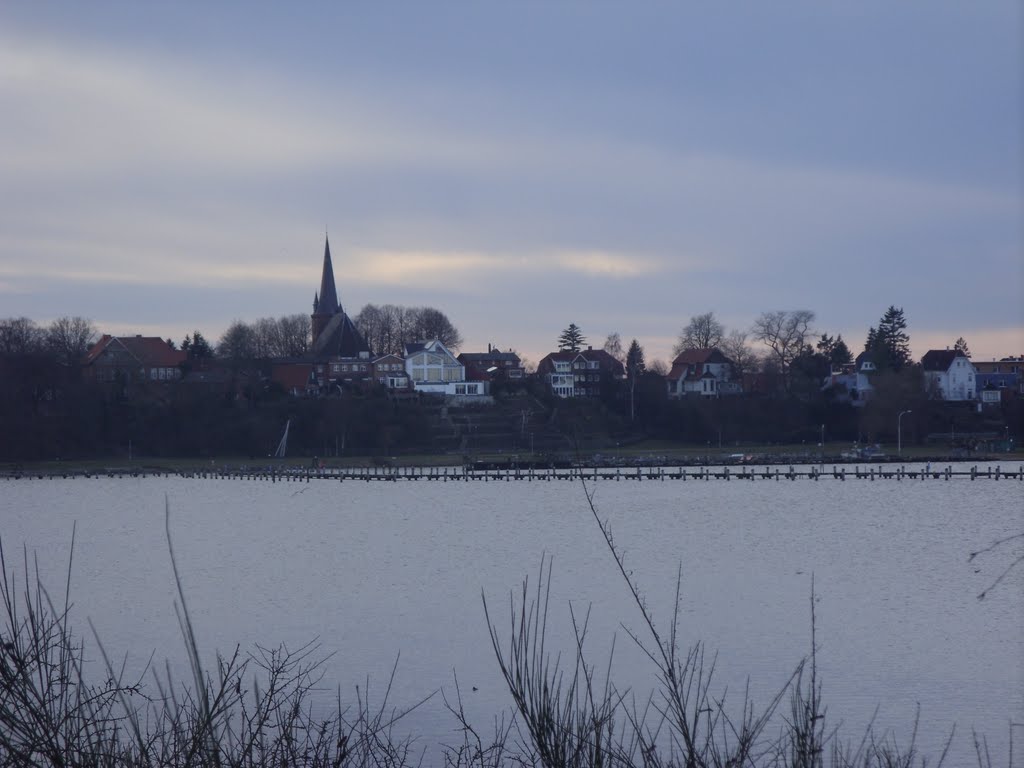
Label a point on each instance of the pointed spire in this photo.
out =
(316, 302)
(328, 292)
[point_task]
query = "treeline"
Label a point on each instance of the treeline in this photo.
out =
(48, 411)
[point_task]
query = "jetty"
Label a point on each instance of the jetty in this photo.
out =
(486, 473)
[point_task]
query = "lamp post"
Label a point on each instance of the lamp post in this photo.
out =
(899, 432)
(822, 445)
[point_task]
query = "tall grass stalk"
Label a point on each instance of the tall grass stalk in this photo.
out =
(252, 709)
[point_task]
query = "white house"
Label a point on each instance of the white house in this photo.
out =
(434, 370)
(703, 372)
(949, 374)
(857, 382)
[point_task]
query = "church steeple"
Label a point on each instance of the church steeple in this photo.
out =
(328, 293)
(334, 333)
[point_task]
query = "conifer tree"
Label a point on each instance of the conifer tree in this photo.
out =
(961, 347)
(889, 344)
(572, 339)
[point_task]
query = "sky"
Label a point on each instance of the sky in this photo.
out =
(521, 166)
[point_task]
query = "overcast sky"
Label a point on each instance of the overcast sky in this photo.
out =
(520, 166)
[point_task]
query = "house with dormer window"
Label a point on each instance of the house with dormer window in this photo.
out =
(852, 383)
(586, 373)
(702, 372)
(949, 375)
(126, 359)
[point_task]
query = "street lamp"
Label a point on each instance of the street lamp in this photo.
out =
(899, 432)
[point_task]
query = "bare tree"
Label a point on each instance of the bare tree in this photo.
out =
(69, 338)
(238, 342)
(434, 324)
(295, 332)
(266, 338)
(784, 333)
(660, 367)
(388, 328)
(744, 358)
(19, 336)
(702, 332)
(613, 346)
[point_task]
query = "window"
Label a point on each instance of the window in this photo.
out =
(460, 389)
(471, 389)
(592, 364)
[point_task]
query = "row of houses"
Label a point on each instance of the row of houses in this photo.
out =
(948, 375)
(341, 360)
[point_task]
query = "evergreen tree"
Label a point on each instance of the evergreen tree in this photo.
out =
(635, 359)
(196, 346)
(572, 339)
(961, 347)
(634, 369)
(834, 350)
(841, 354)
(889, 344)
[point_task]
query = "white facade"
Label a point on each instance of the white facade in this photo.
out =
(957, 383)
(703, 372)
(430, 363)
(434, 370)
(562, 381)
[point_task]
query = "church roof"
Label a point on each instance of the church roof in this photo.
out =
(340, 338)
(328, 299)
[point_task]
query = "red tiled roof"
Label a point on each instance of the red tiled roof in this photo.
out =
(697, 358)
(149, 351)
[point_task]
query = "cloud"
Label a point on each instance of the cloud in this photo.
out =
(604, 264)
(408, 267)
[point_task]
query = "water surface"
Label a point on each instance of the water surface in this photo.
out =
(379, 570)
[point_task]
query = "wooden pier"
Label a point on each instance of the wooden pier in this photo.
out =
(839, 472)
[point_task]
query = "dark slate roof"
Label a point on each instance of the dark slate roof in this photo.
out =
(481, 357)
(340, 338)
(606, 361)
(939, 359)
(328, 298)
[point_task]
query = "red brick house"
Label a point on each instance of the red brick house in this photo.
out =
(133, 359)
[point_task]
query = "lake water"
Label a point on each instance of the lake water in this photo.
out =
(378, 570)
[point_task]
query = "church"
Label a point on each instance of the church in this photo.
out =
(334, 333)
